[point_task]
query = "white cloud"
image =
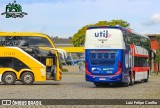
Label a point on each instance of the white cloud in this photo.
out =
(154, 20)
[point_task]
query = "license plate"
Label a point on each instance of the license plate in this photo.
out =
(102, 78)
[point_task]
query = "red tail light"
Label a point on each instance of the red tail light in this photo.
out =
(86, 66)
(119, 65)
(119, 68)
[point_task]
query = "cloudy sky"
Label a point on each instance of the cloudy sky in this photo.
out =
(64, 17)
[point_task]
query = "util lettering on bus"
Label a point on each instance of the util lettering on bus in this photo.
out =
(103, 33)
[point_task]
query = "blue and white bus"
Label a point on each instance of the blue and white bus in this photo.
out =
(114, 54)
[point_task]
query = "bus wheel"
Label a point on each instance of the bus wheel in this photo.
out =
(9, 78)
(146, 80)
(126, 84)
(27, 78)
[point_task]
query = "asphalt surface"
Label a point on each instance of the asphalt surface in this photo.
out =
(74, 86)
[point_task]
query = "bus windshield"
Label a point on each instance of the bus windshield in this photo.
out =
(103, 58)
(24, 41)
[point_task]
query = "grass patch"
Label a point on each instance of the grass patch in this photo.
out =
(64, 70)
(155, 74)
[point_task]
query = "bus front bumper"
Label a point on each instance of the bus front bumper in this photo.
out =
(104, 79)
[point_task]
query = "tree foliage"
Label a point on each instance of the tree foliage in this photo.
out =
(157, 56)
(79, 37)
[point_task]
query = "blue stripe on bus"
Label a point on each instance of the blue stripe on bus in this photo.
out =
(115, 27)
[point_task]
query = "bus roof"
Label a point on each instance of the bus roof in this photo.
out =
(141, 35)
(27, 34)
(117, 27)
(96, 27)
(22, 34)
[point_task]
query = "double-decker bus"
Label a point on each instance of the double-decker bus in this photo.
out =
(29, 57)
(114, 54)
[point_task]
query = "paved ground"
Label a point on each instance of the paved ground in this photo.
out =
(74, 86)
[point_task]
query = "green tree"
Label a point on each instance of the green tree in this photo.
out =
(79, 37)
(157, 56)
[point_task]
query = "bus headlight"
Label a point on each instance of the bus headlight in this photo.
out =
(43, 72)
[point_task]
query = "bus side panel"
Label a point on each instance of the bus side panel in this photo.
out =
(39, 74)
(141, 67)
(127, 62)
(37, 68)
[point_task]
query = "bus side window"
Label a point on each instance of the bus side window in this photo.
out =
(127, 37)
(136, 61)
(136, 40)
(99, 55)
(112, 55)
(147, 44)
(93, 55)
(106, 55)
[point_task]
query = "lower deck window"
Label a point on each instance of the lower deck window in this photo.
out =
(141, 62)
(103, 58)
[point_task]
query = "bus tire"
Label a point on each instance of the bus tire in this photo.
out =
(9, 78)
(126, 84)
(27, 78)
(146, 80)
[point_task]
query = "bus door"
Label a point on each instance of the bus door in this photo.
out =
(51, 62)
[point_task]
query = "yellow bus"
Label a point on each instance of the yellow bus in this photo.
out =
(28, 57)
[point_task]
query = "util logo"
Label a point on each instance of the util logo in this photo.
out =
(102, 34)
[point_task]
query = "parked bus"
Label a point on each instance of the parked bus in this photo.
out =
(28, 57)
(116, 55)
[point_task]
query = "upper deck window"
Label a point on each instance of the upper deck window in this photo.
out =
(24, 41)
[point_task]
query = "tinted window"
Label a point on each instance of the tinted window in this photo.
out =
(9, 62)
(93, 55)
(141, 41)
(38, 41)
(136, 40)
(146, 44)
(112, 55)
(127, 37)
(141, 62)
(24, 41)
(106, 55)
(103, 58)
(99, 55)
